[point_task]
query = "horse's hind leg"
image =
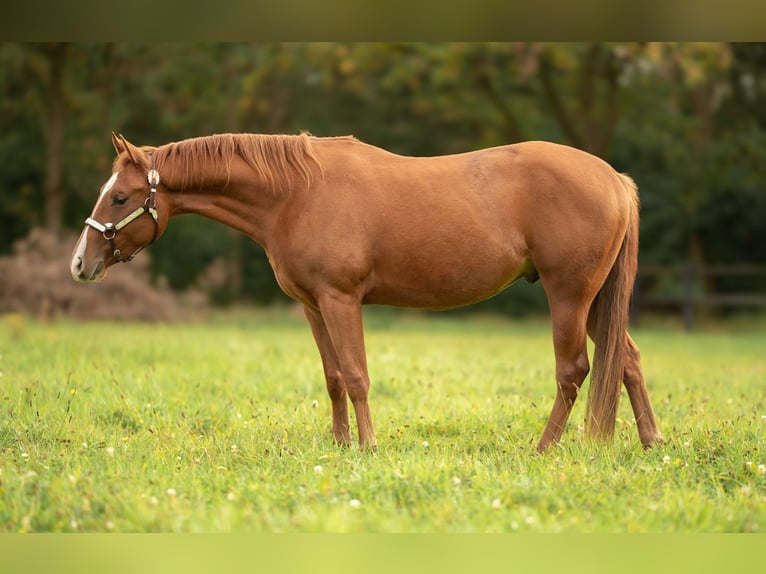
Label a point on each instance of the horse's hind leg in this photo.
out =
(648, 430)
(570, 347)
(333, 375)
(633, 378)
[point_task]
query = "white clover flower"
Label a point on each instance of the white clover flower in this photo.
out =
(496, 503)
(314, 404)
(762, 469)
(425, 444)
(110, 451)
(318, 469)
(231, 497)
(355, 503)
(666, 459)
(171, 492)
(456, 481)
(153, 501)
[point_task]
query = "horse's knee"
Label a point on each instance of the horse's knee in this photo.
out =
(357, 387)
(574, 371)
(570, 376)
(335, 385)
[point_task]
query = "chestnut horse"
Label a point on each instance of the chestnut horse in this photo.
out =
(345, 223)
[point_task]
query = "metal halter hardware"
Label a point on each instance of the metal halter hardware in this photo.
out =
(109, 230)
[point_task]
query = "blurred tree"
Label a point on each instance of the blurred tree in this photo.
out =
(55, 54)
(22, 147)
(695, 144)
(686, 120)
(580, 87)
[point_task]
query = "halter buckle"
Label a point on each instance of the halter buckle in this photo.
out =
(153, 177)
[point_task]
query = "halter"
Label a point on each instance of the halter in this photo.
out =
(109, 230)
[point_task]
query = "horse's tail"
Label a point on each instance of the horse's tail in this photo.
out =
(608, 324)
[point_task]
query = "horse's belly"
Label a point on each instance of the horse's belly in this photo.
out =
(444, 284)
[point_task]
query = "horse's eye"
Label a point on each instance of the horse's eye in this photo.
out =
(119, 200)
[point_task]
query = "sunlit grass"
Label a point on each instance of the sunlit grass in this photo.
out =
(224, 426)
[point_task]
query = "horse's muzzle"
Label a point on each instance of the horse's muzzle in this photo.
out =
(81, 274)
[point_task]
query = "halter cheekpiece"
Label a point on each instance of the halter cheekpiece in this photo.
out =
(109, 230)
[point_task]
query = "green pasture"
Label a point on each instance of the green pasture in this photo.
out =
(224, 426)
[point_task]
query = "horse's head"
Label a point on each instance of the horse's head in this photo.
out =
(126, 218)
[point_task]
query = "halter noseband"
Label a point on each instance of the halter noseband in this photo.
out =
(109, 230)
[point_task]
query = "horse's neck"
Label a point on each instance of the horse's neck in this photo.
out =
(237, 200)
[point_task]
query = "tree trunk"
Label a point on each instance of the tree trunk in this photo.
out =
(56, 53)
(234, 259)
(590, 123)
(106, 88)
(700, 142)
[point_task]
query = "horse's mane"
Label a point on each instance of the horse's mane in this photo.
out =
(276, 159)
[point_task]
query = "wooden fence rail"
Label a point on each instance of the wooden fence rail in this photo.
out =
(688, 295)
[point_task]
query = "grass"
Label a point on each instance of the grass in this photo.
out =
(224, 427)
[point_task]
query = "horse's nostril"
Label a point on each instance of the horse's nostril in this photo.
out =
(77, 268)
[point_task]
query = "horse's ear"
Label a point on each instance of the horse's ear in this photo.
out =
(118, 147)
(133, 152)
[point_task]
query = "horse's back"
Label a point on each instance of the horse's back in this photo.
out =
(449, 230)
(537, 169)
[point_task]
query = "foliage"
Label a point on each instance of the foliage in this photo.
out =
(686, 120)
(127, 427)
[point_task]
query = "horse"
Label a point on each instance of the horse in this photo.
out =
(345, 223)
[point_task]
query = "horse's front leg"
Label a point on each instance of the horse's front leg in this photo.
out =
(336, 387)
(342, 315)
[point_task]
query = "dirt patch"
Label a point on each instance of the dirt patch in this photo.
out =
(35, 280)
